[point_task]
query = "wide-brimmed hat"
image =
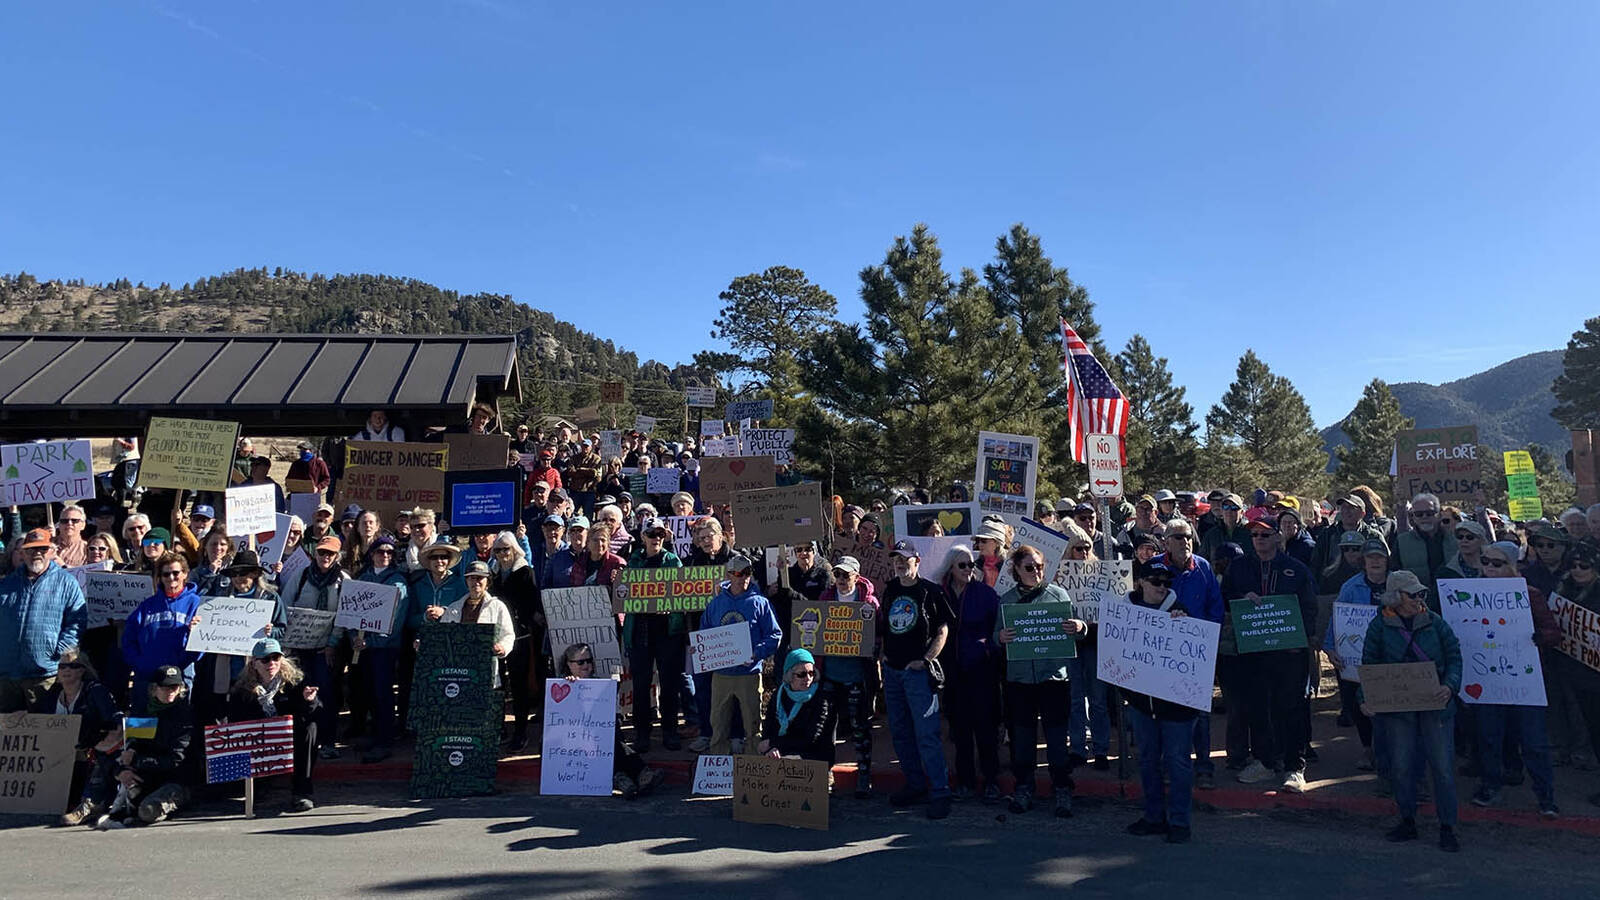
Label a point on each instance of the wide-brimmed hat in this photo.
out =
(433, 550)
(245, 562)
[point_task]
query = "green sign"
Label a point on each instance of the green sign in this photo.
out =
(1270, 623)
(666, 590)
(1519, 487)
(455, 711)
(455, 764)
(1039, 631)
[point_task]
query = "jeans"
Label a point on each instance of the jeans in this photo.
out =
(666, 656)
(1027, 707)
(702, 702)
(913, 712)
(1089, 710)
(1350, 705)
(1277, 708)
(973, 706)
(1164, 751)
(1202, 744)
(1429, 736)
(380, 664)
(1525, 725)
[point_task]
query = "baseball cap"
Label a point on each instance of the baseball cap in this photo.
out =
(351, 513)
(1354, 500)
(1374, 547)
(578, 521)
(325, 508)
(204, 511)
(266, 647)
(168, 676)
(656, 524)
(36, 538)
(1264, 523)
(737, 564)
(329, 542)
(1164, 495)
(848, 564)
(477, 569)
(1352, 539)
(554, 519)
(906, 549)
(157, 536)
(851, 509)
(1474, 527)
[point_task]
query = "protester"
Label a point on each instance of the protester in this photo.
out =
(1199, 595)
(916, 615)
(423, 536)
(844, 678)
(158, 630)
(215, 673)
(380, 653)
(41, 614)
(656, 642)
(989, 540)
(1546, 563)
(631, 777)
(1230, 528)
(149, 779)
(215, 552)
(1163, 731)
(1425, 547)
(271, 685)
(597, 564)
(308, 466)
(78, 692)
(478, 606)
(514, 584)
(972, 678)
(134, 530)
(1345, 565)
(797, 722)
(739, 601)
(379, 428)
(69, 535)
(319, 586)
(1582, 587)
(709, 549)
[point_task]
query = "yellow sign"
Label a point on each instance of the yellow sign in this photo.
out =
(1518, 462)
(192, 454)
(1526, 509)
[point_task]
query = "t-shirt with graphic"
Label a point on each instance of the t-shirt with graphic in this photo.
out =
(911, 614)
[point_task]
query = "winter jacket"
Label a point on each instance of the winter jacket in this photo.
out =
(670, 625)
(1222, 534)
(1417, 554)
(1332, 580)
(157, 631)
(1301, 547)
(1328, 541)
(167, 757)
(603, 568)
(1386, 643)
(1164, 710)
(1356, 590)
(977, 613)
(244, 705)
(39, 618)
(752, 608)
(849, 669)
(810, 732)
(1283, 574)
(1199, 592)
(1036, 671)
(517, 589)
(584, 472)
(492, 612)
(402, 608)
(94, 703)
(425, 593)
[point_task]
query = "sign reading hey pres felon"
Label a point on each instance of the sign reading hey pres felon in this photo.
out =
(46, 472)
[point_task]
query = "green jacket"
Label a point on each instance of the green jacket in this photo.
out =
(1412, 552)
(1386, 643)
(1037, 671)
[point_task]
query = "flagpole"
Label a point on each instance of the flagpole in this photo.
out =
(249, 797)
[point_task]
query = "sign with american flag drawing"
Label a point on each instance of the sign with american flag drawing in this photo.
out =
(781, 515)
(254, 749)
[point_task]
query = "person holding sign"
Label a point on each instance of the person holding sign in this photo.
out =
(1163, 731)
(380, 653)
(632, 777)
(797, 723)
(740, 601)
(157, 632)
(1406, 631)
(149, 779)
(1037, 691)
(514, 584)
(244, 577)
(656, 642)
(478, 606)
(270, 686)
(1200, 595)
(844, 678)
(1365, 588)
(916, 615)
(972, 677)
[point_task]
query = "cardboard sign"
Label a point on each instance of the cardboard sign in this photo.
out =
(580, 737)
(759, 410)
(305, 506)
(251, 509)
(113, 596)
(937, 555)
(475, 452)
(666, 589)
(834, 629)
(1149, 651)
(1008, 468)
(780, 515)
(251, 749)
(1440, 461)
(711, 649)
(36, 757)
(1349, 624)
(483, 500)
(367, 606)
(1039, 631)
(701, 397)
(1493, 619)
(777, 443)
(791, 792)
(1052, 543)
(308, 629)
(713, 776)
(1092, 583)
(47, 472)
(713, 446)
(230, 625)
(644, 424)
(188, 454)
(722, 477)
(953, 518)
(269, 544)
(390, 477)
(1271, 623)
(1580, 631)
(1401, 687)
(663, 480)
(610, 392)
(584, 614)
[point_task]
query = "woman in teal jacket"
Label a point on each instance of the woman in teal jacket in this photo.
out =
(656, 642)
(381, 652)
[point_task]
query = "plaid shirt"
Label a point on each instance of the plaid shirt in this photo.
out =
(39, 618)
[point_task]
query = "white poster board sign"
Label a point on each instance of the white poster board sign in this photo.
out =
(367, 606)
(230, 625)
(713, 776)
(1092, 583)
(252, 509)
(1149, 651)
(580, 735)
(113, 596)
(1493, 619)
(711, 649)
(1052, 543)
(777, 443)
(936, 554)
(584, 614)
(269, 544)
(45, 472)
(1349, 624)
(663, 480)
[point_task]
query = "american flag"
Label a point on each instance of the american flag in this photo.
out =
(252, 749)
(1094, 405)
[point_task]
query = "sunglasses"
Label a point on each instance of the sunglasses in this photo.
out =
(1489, 563)
(964, 565)
(1160, 582)
(1582, 564)
(175, 573)
(589, 661)
(1230, 506)
(329, 553)
(1031, 567)
(1466, 536)
(1185, 536)
(383, 551)
(841, 574)
(807, 674)
(1545, 545)
(274, 657)
(1424, 513)
(73, 521)
(71, 665)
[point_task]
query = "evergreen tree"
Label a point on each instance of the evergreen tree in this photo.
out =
(1577, 388)
(1371, 427)
(768, 319)
(1161, 445)
(1263, 415)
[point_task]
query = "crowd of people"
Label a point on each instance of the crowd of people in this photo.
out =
(938, 674)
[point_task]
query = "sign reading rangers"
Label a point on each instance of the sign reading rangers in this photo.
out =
(254, 749)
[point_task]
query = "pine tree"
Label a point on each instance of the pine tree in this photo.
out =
(1264, 416)
(1371, 427)
(1577, 388)
(768, 318)
(1161, 444)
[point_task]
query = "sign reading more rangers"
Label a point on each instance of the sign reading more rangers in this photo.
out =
(252, 749)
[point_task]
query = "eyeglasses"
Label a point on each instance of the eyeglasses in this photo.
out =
(329, 553)
(1490, 563)
(964, 565)
(589, 661)
(807, 674)
(1545, 545)
(173, 573)
(1419, 595)
(1466, 536)
(841, 574)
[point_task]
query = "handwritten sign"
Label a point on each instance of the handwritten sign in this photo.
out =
(611, 392)
(701, 397)
(777, 443)
(711, 649)
(580, 737)
(1149, 651)
(48, 472)
(584, 614)
(1350, 623)
(390, 477)
(916, 521)
(1271, 623)
(1401, 687)
(188, 454)
(663, 480)
(712, 428)
(36, 758)
(780, 515)
(367, 606)
(252, 508)
(1580, 631)
(1493, 619)
(309, 629)
(1093, 583)
(269, 544)
(782, 791)
(1439, 461)
(1008, 467)
(682, 534)
(666, 589)
(1038, 628)
(113, 596)
(644, 424)
(1048, 541)
(230, 625)
(834, 629)
(722, 477)
(610, 443)
(759, 410)
(713, 776)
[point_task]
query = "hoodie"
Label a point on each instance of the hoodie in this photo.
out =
(751, 607)
(157, 631)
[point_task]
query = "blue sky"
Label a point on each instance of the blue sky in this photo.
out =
(1408, 191)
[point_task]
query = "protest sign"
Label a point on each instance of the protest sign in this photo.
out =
(665, 590)
(230, 625)
(953, 518)
(482, 500)
(251, 509)
(36, 758)
(722, 477)
(701, 397)
(663, 480)
(584, 614)
(644, 424)
(682, 534)
(711, 428)
(714, 446)
(580, 736)
(713, 776)
(711, 649)
(305, 506)
(1092, 583)
(1350, 623)
(1270, 623)
(452, 684)
(1008, 467)
(367, 606)
(610, 443)
(308, 629)
(1400, 687)
(780, 515)
(473, 452)
(460, 763)
(47, 472)
(389, 477)
(759, 410)
(1149, 651)
(777, 443)
(936, 555)
(81, 573)
(1048, 541)
(1493, 619)
(1039, 631)
(834, 629)
(638, 484)
(1518, 462)
(113, 596)
(1580, 630)
(269, 544)
(1439, 461)
(610, 392)
(190, 454)
(293, 561)
(781, 791)
(250, 749)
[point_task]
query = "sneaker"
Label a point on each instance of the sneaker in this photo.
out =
(1405, 831)
(1142, 827)
(1255, 773)
(107, 823)
(907, 797)
(650, 779)
(1101, 764)
(1549, 811)
(1205, 781)
(961, 793)
(991, 793)
(939, 807)
(1447, 839)
(624, 785)
(1021, 800)
(700, 744)
(1295, 782)
(1178, 834)
(863, 782)
(302, 804)
(87, 809)
(329, 751)
(737, 744)
(1486, 796)
(1063, 805)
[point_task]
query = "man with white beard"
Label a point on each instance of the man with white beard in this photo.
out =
(1425, 547)
(41, 613)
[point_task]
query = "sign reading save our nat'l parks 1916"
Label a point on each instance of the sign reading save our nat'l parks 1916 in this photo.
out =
(1439, 461)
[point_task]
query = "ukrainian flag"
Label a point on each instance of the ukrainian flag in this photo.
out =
(138, 728)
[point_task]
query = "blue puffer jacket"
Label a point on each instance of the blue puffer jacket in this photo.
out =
(39, 618)
(157, 631)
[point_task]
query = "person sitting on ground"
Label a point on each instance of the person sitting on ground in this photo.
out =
(270, 686)
(78, 692)
(149, 779)
(631, 776)
(797, 721)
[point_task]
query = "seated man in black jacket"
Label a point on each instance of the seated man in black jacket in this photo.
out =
(150, 777)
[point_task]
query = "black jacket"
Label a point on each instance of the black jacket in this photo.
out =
(291, 701)
(94, 703)
(809, 736)
(168, 756)
(519, 591)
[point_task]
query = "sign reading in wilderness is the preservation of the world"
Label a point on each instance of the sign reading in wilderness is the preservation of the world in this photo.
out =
(580, 737)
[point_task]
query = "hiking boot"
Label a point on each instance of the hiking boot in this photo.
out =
(1021, 800)
(1549, 810)
(1178, 834)
(1447, 839)
(1486, 796)
(1366, 762)
(906, 796)
(1255, 773)
(1405, 831)
(88, 809)
(624, 785)
(1143, 826)
(939, 807)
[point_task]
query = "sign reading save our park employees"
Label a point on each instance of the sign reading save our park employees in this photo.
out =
(390, 477)
(1493, 619)
(46, 472)
(189, 454)
(1148, 651)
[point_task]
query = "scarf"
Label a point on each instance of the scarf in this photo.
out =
(323, 583)
(268, 695)
(796, 698)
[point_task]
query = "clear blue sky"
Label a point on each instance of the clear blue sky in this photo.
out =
(1406, 191)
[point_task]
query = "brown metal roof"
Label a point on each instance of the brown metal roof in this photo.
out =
(97, 385)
